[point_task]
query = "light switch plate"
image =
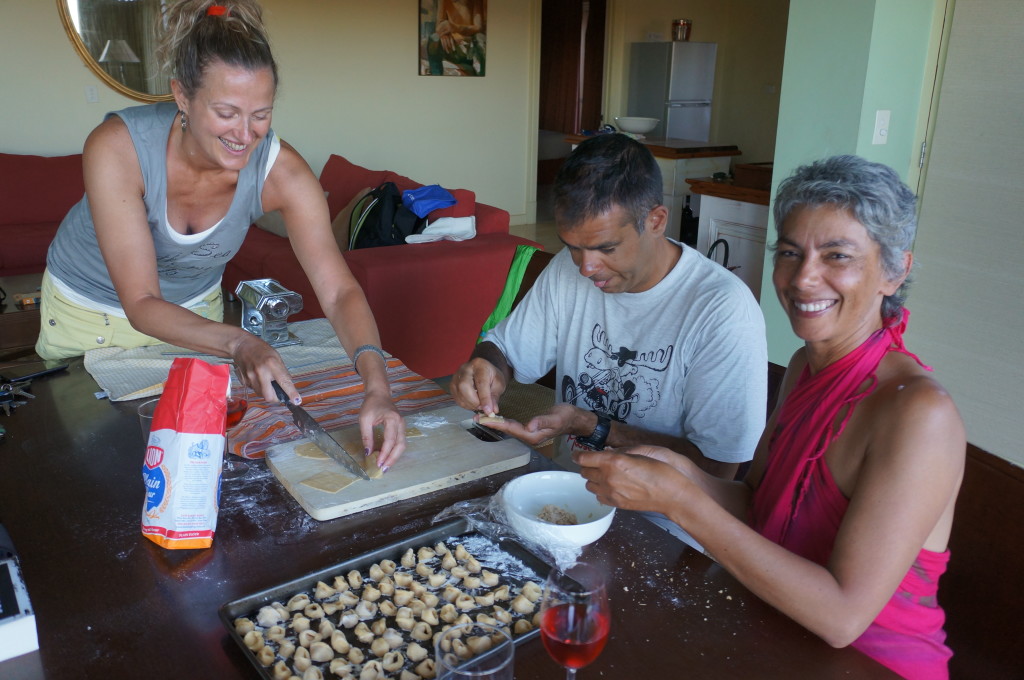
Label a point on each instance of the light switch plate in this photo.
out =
(881, 134)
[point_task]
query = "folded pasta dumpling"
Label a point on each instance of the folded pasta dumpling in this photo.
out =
(253, 640)
(298, 602)
(323, 591)
(266, 655)
(339, 642)
(426, 669)
(320, 652)
(392, 661)
(415, 652)
(281, 671)
(379, 647)
(363, 633)
(421, 631)
(244, 625)
(267, 617)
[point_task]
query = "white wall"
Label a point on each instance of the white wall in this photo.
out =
(349, 85)
(968, 301)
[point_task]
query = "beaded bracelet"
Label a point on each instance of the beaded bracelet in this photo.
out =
(367, 348)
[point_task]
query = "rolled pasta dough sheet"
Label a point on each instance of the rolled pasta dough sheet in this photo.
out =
(328, 481)
(310, 450)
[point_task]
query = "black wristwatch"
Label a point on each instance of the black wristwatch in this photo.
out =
(596, 439)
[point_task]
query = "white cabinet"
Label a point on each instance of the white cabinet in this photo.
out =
(674, 173)
(744, 227)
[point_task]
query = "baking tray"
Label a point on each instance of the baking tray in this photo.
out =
(452, 533)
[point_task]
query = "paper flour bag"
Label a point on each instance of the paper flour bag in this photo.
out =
(184, 456)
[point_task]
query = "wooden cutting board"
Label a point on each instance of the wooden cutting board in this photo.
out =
(439, 453)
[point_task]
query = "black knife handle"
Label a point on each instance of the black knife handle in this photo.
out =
(279, 392)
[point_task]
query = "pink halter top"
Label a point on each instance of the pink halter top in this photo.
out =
(799, 506)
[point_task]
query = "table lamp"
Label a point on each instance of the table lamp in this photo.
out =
(116, 51)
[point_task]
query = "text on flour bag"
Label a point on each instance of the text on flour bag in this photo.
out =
(184, 456)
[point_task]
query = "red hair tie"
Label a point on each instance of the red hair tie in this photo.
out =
(217, 11)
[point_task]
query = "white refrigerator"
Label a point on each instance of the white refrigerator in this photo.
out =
(674, 82)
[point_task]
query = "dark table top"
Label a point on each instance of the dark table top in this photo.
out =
(112, 604)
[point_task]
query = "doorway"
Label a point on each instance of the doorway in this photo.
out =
(571, 84)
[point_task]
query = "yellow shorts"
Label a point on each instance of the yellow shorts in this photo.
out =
(70, 330)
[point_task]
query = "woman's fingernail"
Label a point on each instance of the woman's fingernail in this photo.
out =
(366, 452)
(385, 469)
(297, 400)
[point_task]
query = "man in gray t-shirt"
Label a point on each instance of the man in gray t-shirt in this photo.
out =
(652, 342)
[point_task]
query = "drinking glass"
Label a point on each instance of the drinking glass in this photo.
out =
(146, 410)
(476, 651)
(575, 616)
(238, 404)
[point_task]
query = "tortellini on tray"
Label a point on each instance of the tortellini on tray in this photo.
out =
(381, 622)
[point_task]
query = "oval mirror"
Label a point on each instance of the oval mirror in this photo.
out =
(117, 39)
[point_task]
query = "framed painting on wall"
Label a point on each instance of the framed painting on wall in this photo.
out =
(453, 37)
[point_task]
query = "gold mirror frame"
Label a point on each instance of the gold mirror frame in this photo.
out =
(87, 58)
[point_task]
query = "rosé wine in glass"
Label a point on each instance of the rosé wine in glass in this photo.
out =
(575, 616)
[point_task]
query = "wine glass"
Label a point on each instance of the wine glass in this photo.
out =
(474, 651)
(575, 616)
(238, 404)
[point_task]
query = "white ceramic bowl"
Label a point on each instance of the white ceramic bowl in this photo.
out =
(637, 126)
(524, 497)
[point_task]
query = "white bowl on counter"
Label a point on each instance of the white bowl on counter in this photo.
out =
(525, 497)
(636, 125)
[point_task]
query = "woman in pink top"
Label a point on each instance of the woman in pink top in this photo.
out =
(843, 520)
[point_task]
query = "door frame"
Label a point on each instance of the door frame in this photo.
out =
(942, 22)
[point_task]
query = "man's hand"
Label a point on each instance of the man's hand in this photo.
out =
(480, 382)
(561, 419)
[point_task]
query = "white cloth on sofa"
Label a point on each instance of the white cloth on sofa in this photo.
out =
(446, 229)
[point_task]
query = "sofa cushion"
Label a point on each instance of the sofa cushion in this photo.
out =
(343, 179)
(39, 189)
(23, 248)
(465, 206)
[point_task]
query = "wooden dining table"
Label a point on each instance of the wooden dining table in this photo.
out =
(109, 603)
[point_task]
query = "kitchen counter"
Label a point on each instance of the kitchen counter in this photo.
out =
(112, 604)
(663, 147)
(706, 186)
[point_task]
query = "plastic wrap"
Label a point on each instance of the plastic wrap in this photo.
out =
(487, 515)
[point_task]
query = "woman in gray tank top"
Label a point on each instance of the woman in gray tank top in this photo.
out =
(171, 189)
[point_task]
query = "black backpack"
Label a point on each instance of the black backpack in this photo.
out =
(380, 219)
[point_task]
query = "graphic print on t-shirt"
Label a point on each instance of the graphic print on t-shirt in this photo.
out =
(192, 265)
(617, 382)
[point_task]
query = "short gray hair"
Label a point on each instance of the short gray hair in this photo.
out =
(876, 197)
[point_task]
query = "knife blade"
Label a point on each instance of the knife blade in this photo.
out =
(315, 432)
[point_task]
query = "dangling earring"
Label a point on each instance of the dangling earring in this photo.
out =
(184, 121)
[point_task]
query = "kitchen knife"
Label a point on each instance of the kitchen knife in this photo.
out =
(314, 431)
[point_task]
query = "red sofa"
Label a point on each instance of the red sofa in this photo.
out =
(429, 299)
(35, 194)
